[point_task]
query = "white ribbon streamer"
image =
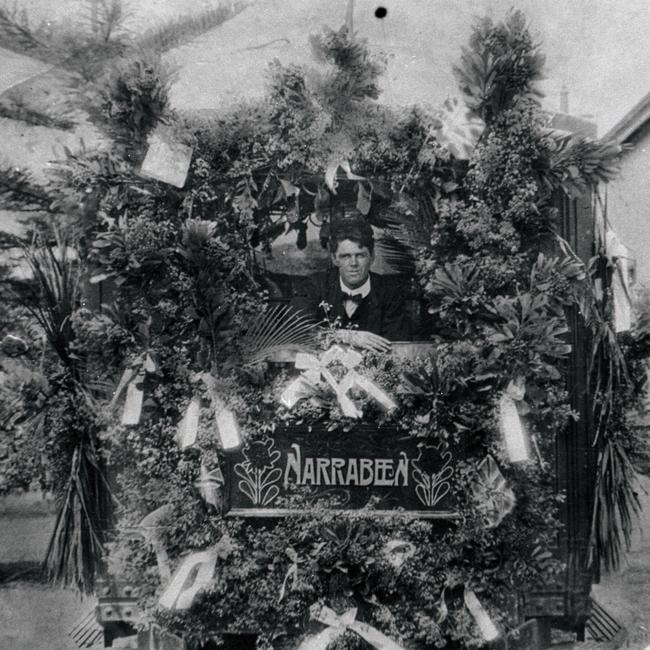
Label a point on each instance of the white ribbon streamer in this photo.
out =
(512, 428)
(188, 427)
(150, 527)
(485, 624)
(133, 403)
(354, 380)
(179, 594)
(132, 379)
(227, 426)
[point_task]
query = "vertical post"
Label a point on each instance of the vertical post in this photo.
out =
(94, 17)
(564, 100)
(565, 601)
(577, 456)
(349, 18)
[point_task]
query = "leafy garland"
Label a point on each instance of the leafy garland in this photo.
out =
(187, 283)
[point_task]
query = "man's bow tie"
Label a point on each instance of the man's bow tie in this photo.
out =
(356, 298)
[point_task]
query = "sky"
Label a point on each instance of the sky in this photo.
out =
(599, 49)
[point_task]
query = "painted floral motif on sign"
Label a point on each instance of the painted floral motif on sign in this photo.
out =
(258, 473)
(432, 478)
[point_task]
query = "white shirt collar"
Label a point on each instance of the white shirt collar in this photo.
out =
(364, 289)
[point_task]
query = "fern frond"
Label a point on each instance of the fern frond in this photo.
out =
(278, 328)
(179, 31)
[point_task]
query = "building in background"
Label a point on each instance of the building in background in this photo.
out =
(628, 196)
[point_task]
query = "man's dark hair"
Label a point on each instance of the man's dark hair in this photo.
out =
(356, 229)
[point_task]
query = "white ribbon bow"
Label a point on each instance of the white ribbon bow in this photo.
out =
(337, 625)
(314, 368)
(209, 485)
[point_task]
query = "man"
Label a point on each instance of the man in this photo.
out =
(369, 308)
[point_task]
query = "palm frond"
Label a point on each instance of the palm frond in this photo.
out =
(407, 227)
(577, 163)
(181, 30)
(16, 34)
(17, 109)
(19, 190)
(56, 294)
(279, 328)
(394, 248)
(76, 548)
(616, 506)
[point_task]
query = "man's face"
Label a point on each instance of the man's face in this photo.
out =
(353, 262)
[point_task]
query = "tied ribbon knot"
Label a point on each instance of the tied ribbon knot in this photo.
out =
(209, 485)
(338, 624)
(314, 368)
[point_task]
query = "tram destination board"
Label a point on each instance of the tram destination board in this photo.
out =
(379, 469)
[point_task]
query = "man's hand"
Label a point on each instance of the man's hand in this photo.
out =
(364, 340)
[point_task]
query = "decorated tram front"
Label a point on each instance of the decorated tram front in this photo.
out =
(365, 385)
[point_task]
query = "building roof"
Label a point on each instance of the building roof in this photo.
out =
(631, 122)
(573, 124)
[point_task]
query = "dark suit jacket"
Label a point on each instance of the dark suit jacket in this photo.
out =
(382, 311)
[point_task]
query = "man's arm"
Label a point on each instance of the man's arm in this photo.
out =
(364, 340)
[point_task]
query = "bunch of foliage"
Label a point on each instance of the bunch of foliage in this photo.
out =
(185, 279)
(21, 383)
(97, 52)
(100, 33)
